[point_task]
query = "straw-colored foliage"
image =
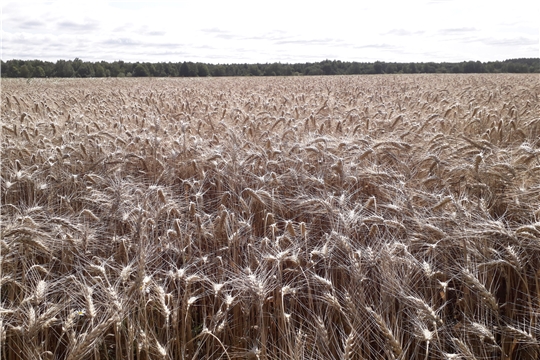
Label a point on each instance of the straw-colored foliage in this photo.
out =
(376, 217)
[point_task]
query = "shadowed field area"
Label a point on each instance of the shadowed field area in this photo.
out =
(354, 217)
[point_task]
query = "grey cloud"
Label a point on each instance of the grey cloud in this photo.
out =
(259, 38)
(510, 42)
(161, 54)
(220, 34)
(267, 38)
(203, 47)
(73, 26)
(271, 36)
(462, 39)
(163, 45)
(214, 30)
(30, 24)
(225, 36)
(121, 42)
(216, 56)
(308, 42)
(25, 40)
(124, 27)
(128, 42)
(145, 30)
(516, 41)
(167, 53)
(57, 46)
(377, 46)
(403, 32)
(454, 31)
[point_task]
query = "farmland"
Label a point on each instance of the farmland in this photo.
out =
(345, 217)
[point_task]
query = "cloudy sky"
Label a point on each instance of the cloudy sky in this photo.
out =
(235, 31)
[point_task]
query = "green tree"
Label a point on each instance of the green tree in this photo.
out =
(99, 70)
(152, 71)
(39, 72)
(76, 64)
(378, 67)
(286, 70)
(473, 67)
(12, 70)
(369, 69)
(218, 70)
(328, 68)
(184, 69)
(140, 71)
(254, 70)
(171, 70)
(391, 69)
(26, 71)
(188, 69)
(354, 68)
(68, 70)
(429, 68)
(202, 70)
(85, 70)
(193, 71)
(468, 67)
(273, 70)
(115, 69)
(159, 70)
(313, 70)
(442, 69)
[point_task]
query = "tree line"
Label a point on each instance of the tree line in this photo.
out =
(83, 69)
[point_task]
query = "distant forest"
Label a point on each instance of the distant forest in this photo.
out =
(83, 69)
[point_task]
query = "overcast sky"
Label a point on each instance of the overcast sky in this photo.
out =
(271, 31)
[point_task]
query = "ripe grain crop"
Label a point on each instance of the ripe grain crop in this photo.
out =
(377, 217)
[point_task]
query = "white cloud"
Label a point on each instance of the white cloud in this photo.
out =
(286, 31)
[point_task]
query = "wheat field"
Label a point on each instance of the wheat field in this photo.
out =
(375, 217)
